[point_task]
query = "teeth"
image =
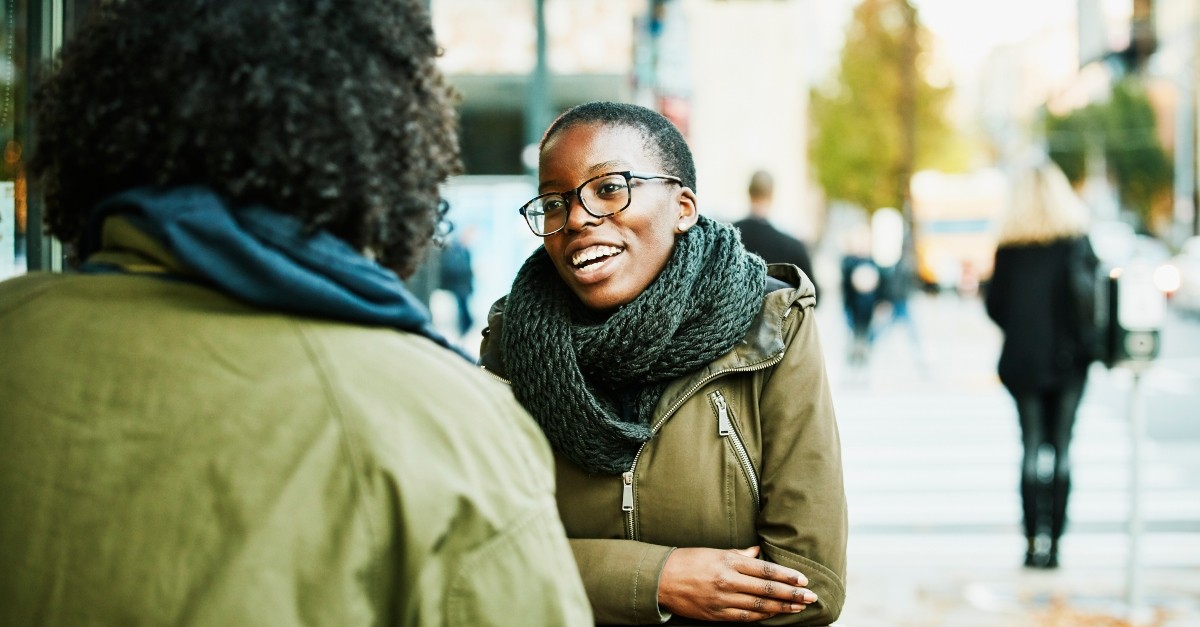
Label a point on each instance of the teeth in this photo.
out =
(593, 252)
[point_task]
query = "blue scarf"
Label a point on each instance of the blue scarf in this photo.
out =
(265, 258)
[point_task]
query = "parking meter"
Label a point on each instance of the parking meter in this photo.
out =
(1135, 311)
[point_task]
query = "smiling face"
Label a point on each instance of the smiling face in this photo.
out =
(608, 262)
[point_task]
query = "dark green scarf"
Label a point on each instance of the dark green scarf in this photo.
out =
(592, 382)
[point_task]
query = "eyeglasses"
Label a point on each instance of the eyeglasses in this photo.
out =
(601, 196)
(443, 228)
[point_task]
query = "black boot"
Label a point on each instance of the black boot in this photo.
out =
(1058, 521)
(1031, 556)
(1051, 560)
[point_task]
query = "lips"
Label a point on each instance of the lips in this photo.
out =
(594, 255)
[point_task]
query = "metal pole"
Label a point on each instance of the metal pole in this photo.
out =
(907, 106)
(42, 252)
(537, 104)
(1137, 434)
(1195, 138)
(1185, 134)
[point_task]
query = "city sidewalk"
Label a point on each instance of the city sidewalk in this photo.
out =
(932, 451)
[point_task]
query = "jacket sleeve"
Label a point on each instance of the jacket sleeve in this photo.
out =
(621, 579)
(458, 487)
(802, 522)
(522, 576)
(994, 294)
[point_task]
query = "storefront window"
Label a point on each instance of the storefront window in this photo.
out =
(13, 208)
(31, 31)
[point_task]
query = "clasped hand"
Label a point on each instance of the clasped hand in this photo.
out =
(730, 585)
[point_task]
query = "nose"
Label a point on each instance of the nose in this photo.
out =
(577, 216)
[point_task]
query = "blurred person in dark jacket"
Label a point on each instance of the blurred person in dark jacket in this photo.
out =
(1042, 248)
(761, 237)
(457, 276)
(860, 293)
(234, 412)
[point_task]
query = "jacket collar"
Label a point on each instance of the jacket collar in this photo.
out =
(252, 253)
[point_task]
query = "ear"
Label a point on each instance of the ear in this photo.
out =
(689, 211)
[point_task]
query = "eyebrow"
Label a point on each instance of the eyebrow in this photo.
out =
(594, 170)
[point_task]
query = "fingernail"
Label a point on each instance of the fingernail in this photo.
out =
(796, 608)
(810, 596)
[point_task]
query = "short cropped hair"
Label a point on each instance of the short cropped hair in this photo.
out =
(333, 112)
(663, 139)
(762, 185)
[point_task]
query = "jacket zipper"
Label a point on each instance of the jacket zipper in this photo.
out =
(495, 376)
(627, 476)
(726, 429)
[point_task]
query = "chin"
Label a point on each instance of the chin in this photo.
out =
(600, 301)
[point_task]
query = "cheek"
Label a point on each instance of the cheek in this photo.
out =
(657, 252)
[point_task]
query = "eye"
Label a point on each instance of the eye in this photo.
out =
(553, 204)
(610, 187)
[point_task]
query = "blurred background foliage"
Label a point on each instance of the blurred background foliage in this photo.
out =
(879, 116)
(1117, 136)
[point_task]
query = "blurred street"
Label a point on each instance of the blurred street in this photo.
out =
(932, 451)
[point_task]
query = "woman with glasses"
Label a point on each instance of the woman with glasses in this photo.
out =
(681, 384)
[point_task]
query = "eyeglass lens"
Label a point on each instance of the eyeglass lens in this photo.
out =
(601, 197)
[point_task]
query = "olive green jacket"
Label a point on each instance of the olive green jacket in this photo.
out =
(745, 452)
(170, 456)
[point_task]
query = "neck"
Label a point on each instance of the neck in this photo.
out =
(760, 208)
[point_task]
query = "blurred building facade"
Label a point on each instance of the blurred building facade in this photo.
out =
(732, 74)
(1073, 64)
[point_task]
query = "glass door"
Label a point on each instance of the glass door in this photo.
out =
(31, 31)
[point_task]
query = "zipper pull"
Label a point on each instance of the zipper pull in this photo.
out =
(627, 491)
(724, 426)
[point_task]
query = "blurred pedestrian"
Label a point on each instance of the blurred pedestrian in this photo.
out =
(763, 239)
(457, 277)
(234, 413)
(860, 293)
(1042, 251)
(681, 383)
(889, 235)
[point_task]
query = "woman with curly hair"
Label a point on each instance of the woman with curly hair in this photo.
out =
(234, 412)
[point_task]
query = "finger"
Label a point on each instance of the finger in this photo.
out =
(742, 615)
(761, 605)
(803, 595)
(770, 570)
(749, 551)
(787, 593)
(753, 587)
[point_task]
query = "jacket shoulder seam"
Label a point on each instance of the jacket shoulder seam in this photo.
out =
(347, 432)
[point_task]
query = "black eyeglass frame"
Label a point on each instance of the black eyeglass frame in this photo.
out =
(443, 227)
(629, 175)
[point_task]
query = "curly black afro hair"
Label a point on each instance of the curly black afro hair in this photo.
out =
(663, 139)
(331, 111)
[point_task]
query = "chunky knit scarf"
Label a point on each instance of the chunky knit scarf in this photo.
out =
(592, 382)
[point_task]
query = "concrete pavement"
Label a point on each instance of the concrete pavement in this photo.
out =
(932, 452)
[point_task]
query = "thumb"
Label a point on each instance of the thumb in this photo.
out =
(748, 552)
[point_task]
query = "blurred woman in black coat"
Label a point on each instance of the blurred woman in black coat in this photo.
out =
(1045, 357)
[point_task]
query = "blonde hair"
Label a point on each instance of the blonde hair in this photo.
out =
(1043, 208)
